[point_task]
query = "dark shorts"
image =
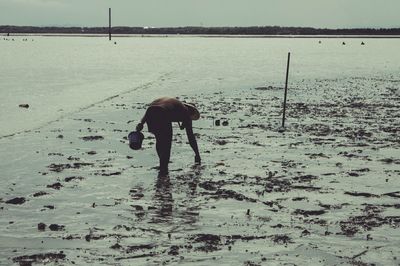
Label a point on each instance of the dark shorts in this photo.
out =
(157, 120)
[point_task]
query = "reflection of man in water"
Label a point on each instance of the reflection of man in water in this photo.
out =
(163, 200)
(186, 208)
(159, 117)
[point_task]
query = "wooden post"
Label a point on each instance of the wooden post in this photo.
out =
(284, 100)
(109, 24)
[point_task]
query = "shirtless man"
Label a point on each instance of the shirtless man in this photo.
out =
(159, 117)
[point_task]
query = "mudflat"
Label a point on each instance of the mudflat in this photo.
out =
(323, 192)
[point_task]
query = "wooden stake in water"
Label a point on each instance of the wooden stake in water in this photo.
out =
(284, 99)
(109, 24)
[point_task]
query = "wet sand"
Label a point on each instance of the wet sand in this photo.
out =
(323, 192)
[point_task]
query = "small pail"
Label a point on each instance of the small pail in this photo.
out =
(135, 140)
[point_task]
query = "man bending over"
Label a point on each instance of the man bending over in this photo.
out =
(159, 117)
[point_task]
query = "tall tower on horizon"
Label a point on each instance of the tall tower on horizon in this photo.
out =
(109, 23)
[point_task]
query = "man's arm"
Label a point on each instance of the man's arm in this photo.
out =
(139, 126)
(192, 140)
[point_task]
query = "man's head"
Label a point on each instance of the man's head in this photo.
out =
(193, 112)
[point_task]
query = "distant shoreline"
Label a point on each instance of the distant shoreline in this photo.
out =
(229, 32)
(205, 36)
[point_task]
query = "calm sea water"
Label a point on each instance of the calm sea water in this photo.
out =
(59, 75)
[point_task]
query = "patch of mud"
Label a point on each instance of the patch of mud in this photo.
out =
(108, 174)
(361, 194)
(268, 88)
(56, 227)
(277, 184)
(281, 239)
(305, 178)
(317, 129)
(332, 206)
(393, 194)
(208, 242)
(307, 188)
(56, 186)
(43, 258)
(55, 154)
(390, 161)
(92, 138)
(16, 201)
(61, 167)
(307, 213)
(231, 194)
(70, 178)
(370, 219)
(317, 155)
(135, 248)
(39, 194)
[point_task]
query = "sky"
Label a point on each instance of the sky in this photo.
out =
(207, 13)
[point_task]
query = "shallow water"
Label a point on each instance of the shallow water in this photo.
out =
(60, 75)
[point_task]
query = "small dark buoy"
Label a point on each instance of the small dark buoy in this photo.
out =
(115, 42)
(362, 43)
(343, 43)
(225, 123)
(248, 212)
(319, 42)
(41, 226)
(217, 122)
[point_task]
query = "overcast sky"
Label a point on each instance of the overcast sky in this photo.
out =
(158, 13)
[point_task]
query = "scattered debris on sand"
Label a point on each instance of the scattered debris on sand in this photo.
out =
(56, 185)
(39, 258)
(24, 105)
(92, 138)
(17, 201)
(61, 167)
(56, 227)
(326, 181)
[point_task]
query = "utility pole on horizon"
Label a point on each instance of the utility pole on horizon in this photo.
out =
(109, 24)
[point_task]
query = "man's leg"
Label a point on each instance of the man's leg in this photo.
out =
(162, 130)
(163, 146)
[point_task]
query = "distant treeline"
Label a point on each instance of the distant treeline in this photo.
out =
(267, 30)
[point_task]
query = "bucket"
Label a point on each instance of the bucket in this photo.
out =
(135, 140)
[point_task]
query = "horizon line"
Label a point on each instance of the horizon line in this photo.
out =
(206, 27)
